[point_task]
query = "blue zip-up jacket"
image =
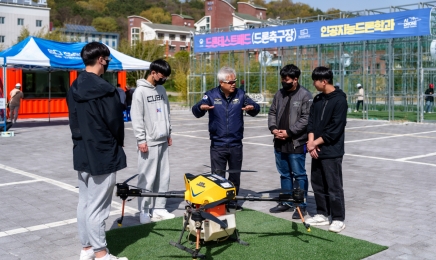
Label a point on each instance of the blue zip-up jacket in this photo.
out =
(226, 122)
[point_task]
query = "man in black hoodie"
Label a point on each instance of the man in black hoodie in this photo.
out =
(97, 129)
(326, 127)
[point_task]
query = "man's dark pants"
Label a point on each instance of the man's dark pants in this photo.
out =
(326, 178)
(221, 155)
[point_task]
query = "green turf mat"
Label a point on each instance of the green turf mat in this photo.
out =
(269, 238)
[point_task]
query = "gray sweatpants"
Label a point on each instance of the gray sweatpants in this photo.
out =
(154, 176)
(95, 197)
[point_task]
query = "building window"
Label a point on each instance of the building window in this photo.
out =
(172, 48)
(20, 21)
(160, 36)
(2, 20)
(172, 37)
(38, 23)
(183, 37)
(207, 20)
(182, 48)
(134, 34)
(2, 38)
(36, 84)
(113, 44)
(114, 37)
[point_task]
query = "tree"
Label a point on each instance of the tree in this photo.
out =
(148, 51)
(105, 24)
(180, 67)
(157, 15)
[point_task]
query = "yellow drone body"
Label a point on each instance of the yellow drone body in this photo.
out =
(208, 188)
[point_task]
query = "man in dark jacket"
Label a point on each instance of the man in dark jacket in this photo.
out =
(225, 105)
(429, 99)
(97, 128)
(287, 121)
(326, 127)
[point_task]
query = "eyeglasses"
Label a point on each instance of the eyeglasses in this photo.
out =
(231, 82)
(161, 76)
(108, 59)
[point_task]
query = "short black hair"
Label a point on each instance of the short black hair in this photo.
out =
(91, 51)
(118, 85)
(290, 71)
(323, 73)
(161, 66)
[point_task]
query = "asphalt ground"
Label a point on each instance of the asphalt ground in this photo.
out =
(389, 173)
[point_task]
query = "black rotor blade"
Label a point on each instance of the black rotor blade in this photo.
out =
(129, 179)
(216, 203)
(211, 217)
(288, 191)
(236, 171)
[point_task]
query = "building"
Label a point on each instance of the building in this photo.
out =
(175, 37)
(18, 14)
(83, 33)
(221, 15)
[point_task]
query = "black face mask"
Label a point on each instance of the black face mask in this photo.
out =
(105, 67)
(287, 86)
(160, 81)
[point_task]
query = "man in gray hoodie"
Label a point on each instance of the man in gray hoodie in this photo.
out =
(150, 114)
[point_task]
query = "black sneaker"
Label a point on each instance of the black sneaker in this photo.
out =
(297, 216)
(280, 208)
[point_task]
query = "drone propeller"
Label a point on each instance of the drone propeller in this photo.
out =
(129, 179)
(229, 171)
(289, 191)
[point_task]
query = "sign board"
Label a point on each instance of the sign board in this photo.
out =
(363, 28)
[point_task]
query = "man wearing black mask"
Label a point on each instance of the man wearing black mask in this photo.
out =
(287, 120)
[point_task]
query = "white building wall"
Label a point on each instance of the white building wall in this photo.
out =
(149, 33)
(10, 28)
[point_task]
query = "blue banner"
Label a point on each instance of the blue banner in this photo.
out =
(372, 27)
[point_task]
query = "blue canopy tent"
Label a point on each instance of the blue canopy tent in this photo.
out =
(39, 54)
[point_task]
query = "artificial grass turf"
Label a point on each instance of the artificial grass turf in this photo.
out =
(269, 238)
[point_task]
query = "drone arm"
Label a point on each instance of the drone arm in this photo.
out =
(281, 197)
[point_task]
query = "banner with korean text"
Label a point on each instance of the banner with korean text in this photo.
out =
(372, 27)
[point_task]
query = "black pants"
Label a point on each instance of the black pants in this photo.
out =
(220, 156)
(326, 178)
(358, 104)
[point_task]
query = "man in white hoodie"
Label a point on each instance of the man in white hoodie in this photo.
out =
(150, 114)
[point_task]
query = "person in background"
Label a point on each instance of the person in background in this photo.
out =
(152, 128)
(360, 97)
(242, 86)
(122, 95)
(97, 131)
(225, 105)
(287, 121)
(14, 102)
(129, 94)
(326, 132)
(429, 99)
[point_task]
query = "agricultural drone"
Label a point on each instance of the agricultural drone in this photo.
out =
(208, 214)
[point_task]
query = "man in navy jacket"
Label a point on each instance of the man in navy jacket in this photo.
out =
(225, 105)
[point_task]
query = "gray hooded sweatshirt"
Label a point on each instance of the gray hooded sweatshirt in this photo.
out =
(150, 113)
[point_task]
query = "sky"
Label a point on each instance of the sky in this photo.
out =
(357, 5)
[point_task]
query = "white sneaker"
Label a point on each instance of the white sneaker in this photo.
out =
(162, 214)
(318, 220)
(337, 226)
(87, 254)
(109, 256)
(144, 218)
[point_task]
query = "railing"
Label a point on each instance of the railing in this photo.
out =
(36, 3)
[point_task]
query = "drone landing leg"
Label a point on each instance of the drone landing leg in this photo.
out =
(302, 219)
(195, 253)
(237, 239)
